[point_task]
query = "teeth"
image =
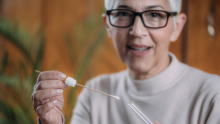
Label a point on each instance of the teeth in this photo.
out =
(140, 49)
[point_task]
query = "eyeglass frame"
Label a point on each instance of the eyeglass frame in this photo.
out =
(108, 12)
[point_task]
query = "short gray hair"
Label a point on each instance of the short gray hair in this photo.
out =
(175, 5)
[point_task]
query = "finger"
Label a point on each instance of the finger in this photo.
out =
(51, 84)
(41, 95)
(60, 103)
(43, 109)
(41, 102)
(44, 94)
(156, 122)
(51, 75)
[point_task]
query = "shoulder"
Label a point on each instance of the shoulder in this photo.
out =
(206, 82)
(196, 74)
(106, 80)
(212, 84)
(107, 77)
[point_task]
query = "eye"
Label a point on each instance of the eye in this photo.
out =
(153, 14)
(122, 14)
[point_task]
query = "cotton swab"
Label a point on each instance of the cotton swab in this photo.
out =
(71, 82)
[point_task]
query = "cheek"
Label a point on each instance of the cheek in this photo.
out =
(119, 34)
(161, 37)
(119, 37)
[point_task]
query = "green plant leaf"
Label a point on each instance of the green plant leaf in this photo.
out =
(88, 37)
(16, 89)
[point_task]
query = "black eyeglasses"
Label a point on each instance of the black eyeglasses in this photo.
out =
(123, 18)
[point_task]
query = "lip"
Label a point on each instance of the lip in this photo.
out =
(138, 53)
(137, 45)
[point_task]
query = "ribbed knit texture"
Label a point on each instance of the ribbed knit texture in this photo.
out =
(178, 95)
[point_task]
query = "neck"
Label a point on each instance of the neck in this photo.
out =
(153, 71)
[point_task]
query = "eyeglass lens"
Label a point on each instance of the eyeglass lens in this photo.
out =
(124, 18)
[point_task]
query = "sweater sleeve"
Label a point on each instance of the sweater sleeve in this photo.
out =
(214, 116)
(82, 111)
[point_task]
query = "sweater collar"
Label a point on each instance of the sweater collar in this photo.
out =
(160, 82)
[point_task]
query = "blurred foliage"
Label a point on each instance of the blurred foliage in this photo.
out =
(16, 89)
(88, 36)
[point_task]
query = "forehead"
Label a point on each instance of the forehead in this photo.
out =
(142, 5)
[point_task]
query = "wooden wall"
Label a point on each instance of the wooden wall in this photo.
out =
(194, 47)
(203, 51)
(57, 17)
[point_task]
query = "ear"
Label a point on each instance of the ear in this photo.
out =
(180, 22)
(106, 24)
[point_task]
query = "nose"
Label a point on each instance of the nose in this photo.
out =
(138, 29)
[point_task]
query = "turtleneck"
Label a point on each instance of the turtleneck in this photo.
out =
(178, 95)
(160, 82)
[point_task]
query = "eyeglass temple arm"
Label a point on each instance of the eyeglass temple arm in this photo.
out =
(173, 13)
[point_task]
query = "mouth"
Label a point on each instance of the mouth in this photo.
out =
(138, 48)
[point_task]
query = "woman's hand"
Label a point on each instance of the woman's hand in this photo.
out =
(156, 122)
(48, 97)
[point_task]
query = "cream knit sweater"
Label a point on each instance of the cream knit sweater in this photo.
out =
(178, 95)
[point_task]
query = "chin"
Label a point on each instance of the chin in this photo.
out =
(139, 67)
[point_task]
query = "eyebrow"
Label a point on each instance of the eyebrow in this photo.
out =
(124, 6)
(146, 8)
(152, 7)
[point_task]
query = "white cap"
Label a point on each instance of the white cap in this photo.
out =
(70, 81)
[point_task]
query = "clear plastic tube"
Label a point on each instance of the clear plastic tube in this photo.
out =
(139, 113)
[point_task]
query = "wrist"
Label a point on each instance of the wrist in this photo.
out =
(62, 122)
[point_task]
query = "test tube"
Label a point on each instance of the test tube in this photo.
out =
(139, 113)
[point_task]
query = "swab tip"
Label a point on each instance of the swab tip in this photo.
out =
(37, 71)
(116, 97)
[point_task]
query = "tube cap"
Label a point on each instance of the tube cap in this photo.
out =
(70, 81)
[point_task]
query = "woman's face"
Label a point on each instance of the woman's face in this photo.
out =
(127, 41)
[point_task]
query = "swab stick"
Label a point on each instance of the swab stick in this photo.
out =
(71, 82)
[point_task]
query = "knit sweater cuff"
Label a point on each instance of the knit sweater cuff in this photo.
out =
(63, 119)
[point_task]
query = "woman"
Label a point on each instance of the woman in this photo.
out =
(167, 90)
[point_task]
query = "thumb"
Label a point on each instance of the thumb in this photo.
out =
(156, 122)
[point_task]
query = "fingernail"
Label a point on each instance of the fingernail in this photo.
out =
(65, 86)
(62, 76)
(55, 101)
(59, 91)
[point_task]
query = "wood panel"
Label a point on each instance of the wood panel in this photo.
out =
(177, 47)
(57, 17)
(203, 51)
